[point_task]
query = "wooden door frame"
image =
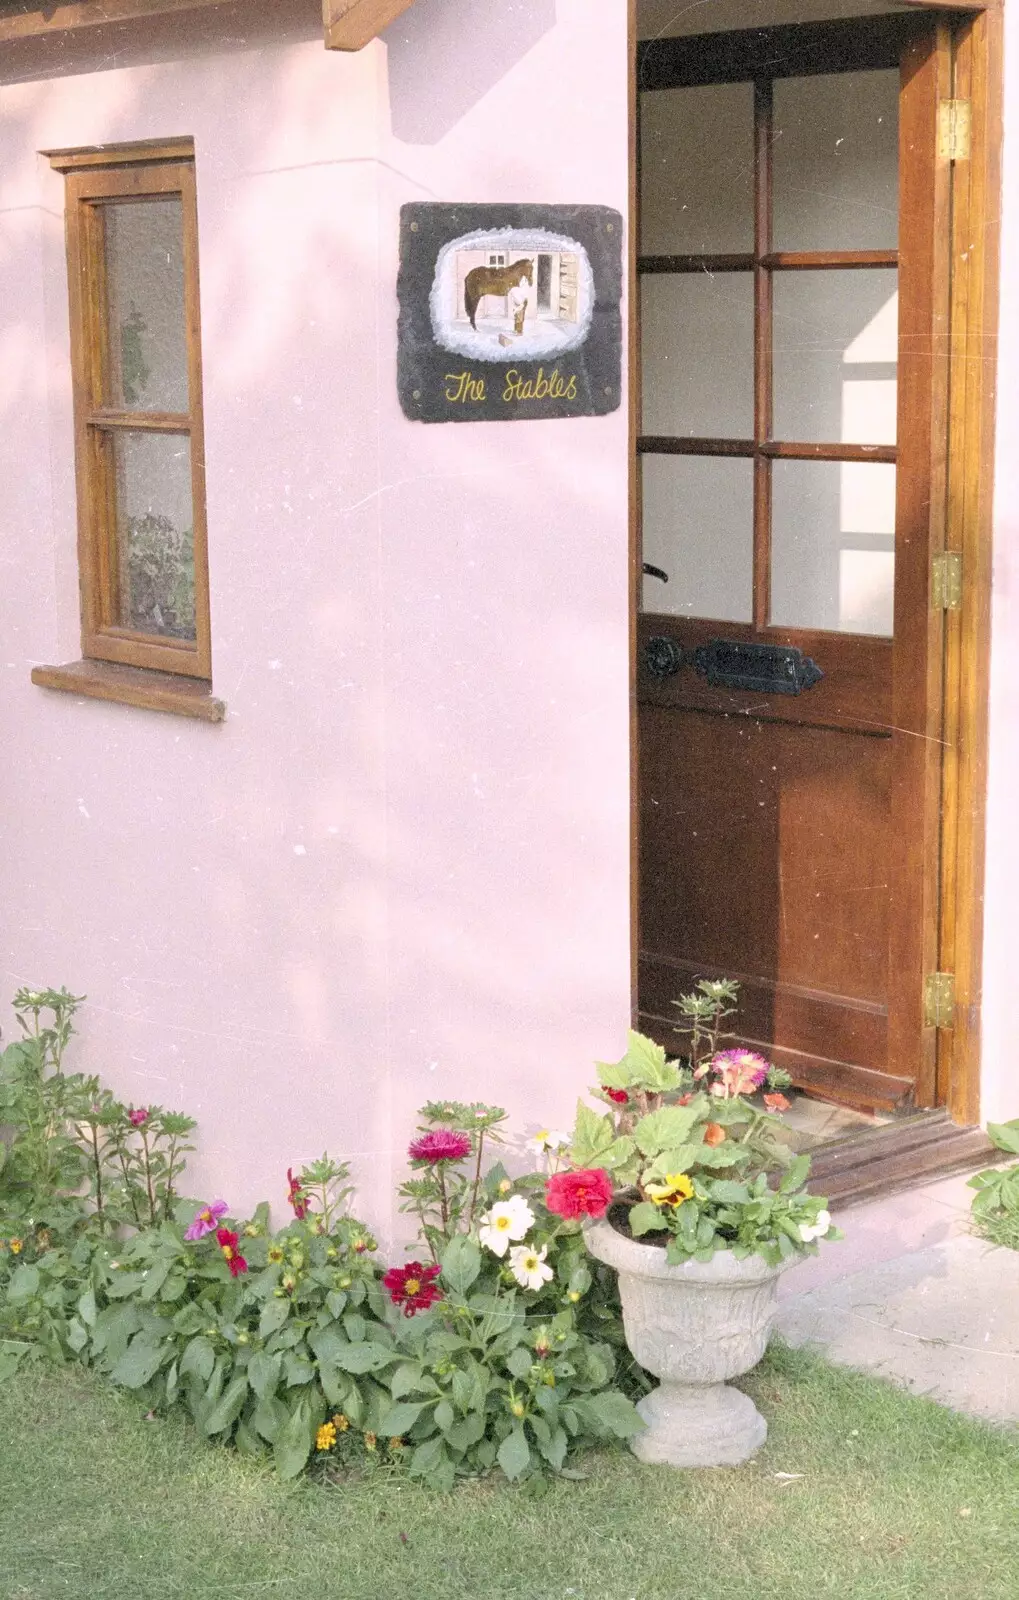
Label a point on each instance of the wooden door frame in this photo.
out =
(962, 456)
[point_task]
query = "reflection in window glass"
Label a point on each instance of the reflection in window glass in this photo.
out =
(835, 350)
(836, 162)
(696, 170)
(692, 325)
(833, 546)
(154, 533)
(144, 260)
(698, 527)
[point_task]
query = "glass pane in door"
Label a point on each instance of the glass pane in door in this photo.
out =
(696, 170)
(835, 340)
(698, 528)
(833, 546)
(697, 339)
(835, 151)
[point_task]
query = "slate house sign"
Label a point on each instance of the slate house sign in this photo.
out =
(509, 312)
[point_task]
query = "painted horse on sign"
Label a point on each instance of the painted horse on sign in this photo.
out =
(496, 280)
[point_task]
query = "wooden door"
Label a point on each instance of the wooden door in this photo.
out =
(790, 184)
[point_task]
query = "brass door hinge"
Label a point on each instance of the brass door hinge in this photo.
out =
(939, 999)
(954, 128)
(946, 581)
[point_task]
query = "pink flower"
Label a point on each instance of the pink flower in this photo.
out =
(138, 1117)
(585, 1192)
(205, 1220)
(442, 1144)
(735, 1072)
(228, 1243)
(296, 1196)
(776, 1102)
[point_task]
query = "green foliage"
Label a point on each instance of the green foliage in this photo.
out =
(996, 1202)
(160, 563)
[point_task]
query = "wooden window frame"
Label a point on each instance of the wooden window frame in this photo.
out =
(93, 178)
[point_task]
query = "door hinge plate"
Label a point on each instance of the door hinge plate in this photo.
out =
(946, 581)
(939, 999)
(954, 125)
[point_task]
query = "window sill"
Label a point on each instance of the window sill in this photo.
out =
(133, 686)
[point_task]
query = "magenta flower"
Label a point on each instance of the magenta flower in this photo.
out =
(138, 1117)
(205, 1220)
(442, 1144)
(736, 1072)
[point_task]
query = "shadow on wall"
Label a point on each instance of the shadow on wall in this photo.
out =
(445, 55)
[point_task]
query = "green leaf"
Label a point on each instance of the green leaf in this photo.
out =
(445, 1416)
(462, 1435)
(199, 1358)
(77, 1335)
(593, 1135)
(666, 1129)
(554, 1450)
(616, 1413)
(366, 1357)
(87, 1308)
(228, 1407)
(644, 1066)
(264, 1373)
(292, 1445)
(274, 1315)
(268, 1418)
(520, 1361)
(514, 1454)
(399, 1419)
(24, 1283)
(140, 1362)
(154, 1280)
(410, 1378)
(729, 1192)
(646, 1218)
(461, 1263)
(427, 1457)
(1005, 1135)
(796, 1176)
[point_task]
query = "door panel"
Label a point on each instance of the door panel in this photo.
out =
(788, 839)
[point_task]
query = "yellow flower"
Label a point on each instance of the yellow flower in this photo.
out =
(325, 1438)
(396, 1444)
(340, 1422)
(370, 1441)
(17, 1245)
(676, 1188)
(275, 1253)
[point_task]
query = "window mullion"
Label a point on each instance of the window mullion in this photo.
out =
(762, 348)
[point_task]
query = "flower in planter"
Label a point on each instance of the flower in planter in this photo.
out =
(777, 1102)
(138, 1117)
(586, 1192)
(295, 1195)
(676, 1188)
(735, 1072)
(529, 1266)
(713, 1134)
(441, 1144)
(228, 1243)
(506, 1220)
(205, 1220)
(817, 1229)
(412, 1287)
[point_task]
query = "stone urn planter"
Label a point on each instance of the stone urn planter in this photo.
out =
(694, 1326)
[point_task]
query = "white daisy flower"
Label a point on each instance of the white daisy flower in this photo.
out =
(545, 1140)
(507, 1219)
(529, 1267)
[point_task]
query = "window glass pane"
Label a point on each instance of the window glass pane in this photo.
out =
(697, 341)
(836, 162)
(698, 516)
(833, 545)
(155, 554)
(835, 348)
(697, 170)
(147, 348)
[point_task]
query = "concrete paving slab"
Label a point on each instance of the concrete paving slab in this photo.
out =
(942, 1321)
(878, 1230)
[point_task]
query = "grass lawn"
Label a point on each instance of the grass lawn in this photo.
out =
(898, 1500)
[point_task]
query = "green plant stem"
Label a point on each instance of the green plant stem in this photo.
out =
(475, 1187)
(147, 1163)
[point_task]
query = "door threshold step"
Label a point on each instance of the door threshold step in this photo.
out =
(921, 1149)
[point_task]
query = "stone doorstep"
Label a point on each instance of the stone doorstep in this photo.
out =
(941, 1320)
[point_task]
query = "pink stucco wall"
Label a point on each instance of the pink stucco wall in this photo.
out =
(400, 869)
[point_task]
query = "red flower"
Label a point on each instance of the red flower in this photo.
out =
(296, 1196)
(138, 1117)
(776, 1102)
(442, 1144)
(620, 1096)
(228, 1242)
(412, 1287)
(576, 1194)
(714, 1134)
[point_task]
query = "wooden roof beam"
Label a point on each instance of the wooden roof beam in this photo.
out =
(351, 24)
(69, 18)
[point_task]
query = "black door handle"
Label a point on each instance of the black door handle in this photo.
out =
(655, 572)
